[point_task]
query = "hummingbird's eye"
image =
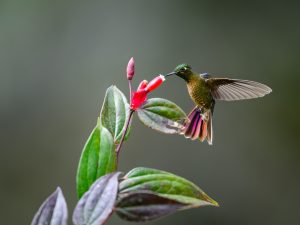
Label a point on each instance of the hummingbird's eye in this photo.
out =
(183, 69)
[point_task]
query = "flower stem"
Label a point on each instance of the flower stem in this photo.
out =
(130, 90)
(124, 134)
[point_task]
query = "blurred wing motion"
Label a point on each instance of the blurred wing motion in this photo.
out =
(234, 89)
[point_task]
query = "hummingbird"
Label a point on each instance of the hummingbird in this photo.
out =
(204, 90)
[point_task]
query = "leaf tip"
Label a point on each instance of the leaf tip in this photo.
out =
(211, 201)
(58, 190)
(215, 203)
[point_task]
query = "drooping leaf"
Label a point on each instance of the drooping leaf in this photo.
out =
(53, 211)
(162, 115)
(98, 158)
(115, 113)
(97, 204)
(139, 206)
(166, 185)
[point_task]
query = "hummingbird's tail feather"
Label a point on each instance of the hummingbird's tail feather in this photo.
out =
(199, 126)
(209, 129)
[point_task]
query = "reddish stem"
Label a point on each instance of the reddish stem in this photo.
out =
(130, 90)
(124, 134)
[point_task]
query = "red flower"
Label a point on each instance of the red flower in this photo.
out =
(155, 83)
(140, 96)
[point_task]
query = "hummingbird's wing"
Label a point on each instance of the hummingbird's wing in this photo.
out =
(234, 89)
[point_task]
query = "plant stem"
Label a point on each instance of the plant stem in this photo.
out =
(130, 90)
(124, 134)
(127, 124)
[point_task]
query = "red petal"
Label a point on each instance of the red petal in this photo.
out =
(138, 98)
(155, 83)
(142, 85)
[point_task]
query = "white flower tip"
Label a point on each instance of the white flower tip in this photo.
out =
(162, 77)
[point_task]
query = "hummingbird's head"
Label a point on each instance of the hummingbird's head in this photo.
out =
(183, 70)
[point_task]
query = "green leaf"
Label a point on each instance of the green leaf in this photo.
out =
(97, 204)
(162, 115)
(115, 113)
(53, 211)
(140, 206)
(98, 158)
(166, 185)
(147, 194)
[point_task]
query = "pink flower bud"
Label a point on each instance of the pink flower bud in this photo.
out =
(130, 69)
(142, 85)
(155, 83)
(138, 98)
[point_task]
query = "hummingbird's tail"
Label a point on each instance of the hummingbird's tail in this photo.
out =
(199, 126)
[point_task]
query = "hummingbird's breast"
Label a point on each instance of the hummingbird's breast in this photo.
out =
(200, 92)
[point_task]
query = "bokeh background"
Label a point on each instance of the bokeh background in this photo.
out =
(58, 57)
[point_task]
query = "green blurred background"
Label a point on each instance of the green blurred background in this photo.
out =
(58, 57)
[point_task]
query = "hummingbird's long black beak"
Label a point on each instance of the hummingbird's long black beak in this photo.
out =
(170, 74)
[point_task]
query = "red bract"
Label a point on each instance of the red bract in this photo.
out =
(140, 96)
(130, 69)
